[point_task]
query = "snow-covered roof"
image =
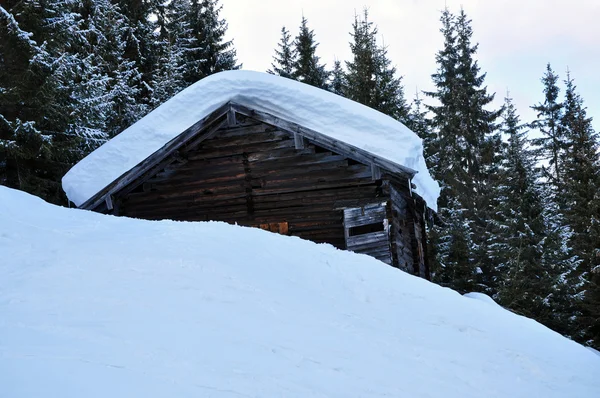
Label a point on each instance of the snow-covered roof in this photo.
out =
(313, 108)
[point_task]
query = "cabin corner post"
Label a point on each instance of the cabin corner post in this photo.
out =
(392, 227)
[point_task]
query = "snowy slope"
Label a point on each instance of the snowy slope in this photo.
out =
(296, 102)
(98, 306)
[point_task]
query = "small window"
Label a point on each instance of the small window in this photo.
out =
(365, 229)
(278, 227)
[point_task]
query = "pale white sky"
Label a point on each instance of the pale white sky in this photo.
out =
(517, 38)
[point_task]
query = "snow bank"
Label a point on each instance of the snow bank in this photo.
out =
(316, 109)
(481, 297)
(99, 306)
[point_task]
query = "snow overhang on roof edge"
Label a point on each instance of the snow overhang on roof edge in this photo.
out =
(318, 110)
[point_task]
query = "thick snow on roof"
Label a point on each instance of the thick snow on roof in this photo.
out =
(98, 306)
(305, 105)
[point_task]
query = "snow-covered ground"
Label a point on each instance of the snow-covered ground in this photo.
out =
(99, 306)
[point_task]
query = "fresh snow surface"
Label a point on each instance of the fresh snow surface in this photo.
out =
(296, 102)
(481, 297)
(99, 306)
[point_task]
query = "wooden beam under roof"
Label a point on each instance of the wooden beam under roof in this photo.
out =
(323, 140)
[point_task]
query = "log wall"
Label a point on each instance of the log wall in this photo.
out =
(252, 174)
(255, 174)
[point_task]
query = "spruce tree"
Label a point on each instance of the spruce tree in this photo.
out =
(285, 56)
(44, 126)
(519, 226)
(581, 165)
(466, 147)
(209, 53)
(445, 118)
(140, 41)
(175, 45)
(116, 78)
(389, 91)
(306, 66)
(419, 123)
(558, 257)
(359, 84)
(336, 84)
(549, 114)
(370, 78)
(580, 203)
(452, 266)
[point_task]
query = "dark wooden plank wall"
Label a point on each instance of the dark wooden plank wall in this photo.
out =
(252, 174)
(402, 230)
(408, 231)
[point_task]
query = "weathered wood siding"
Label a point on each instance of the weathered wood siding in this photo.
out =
(253, 174)
(243, 171)
(375, 243)
(407, 232)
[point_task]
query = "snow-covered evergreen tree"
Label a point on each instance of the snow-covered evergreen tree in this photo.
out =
(140, 41)
(370, 77)
(519, 228)
(452, 265)
(175, 44)
(549, 113)
(306, 67)
(445, 115)
(210, 52)
(336, 83)
(580, 201)
(285, 56)
(466, 144)
(389, 91)
(44, 128)
(420, 124)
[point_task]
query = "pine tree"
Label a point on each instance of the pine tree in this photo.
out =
(306, 66)
(581, 165)
(118, 82)
(209, 53)
(519, 226)
(419, 123)
(285, 56)
(452, 265)
(359, 84)
(466, 145)
(580, 202)
(591, 310)
(445, 116)
(558, 256)
(389, 91)
(20, 76)
(175, 44)
(336, 84)
(44, 126)
(549, 114)
(370, 78)
(140, 42)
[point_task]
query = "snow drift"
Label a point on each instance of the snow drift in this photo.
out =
(100, 306)
(296, 102)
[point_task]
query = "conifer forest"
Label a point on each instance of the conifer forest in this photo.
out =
(519, 214)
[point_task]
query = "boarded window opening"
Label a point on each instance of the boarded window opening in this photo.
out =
(365, 229)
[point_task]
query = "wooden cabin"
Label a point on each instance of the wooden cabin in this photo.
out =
(249, 167)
